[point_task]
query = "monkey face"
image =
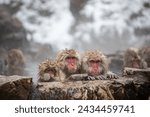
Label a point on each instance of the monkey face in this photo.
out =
(51, 72)
(71, 64)
(48, 70)
(135, 63)
(94, 63)
(94, 67)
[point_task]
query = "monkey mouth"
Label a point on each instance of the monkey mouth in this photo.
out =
(72, 69)
(72, 66)
(135, 65)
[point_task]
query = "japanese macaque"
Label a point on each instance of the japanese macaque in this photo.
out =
(133, 60)
(69, 63)
(144, 53)
(15, 62)
(48, 71)
(95, 64)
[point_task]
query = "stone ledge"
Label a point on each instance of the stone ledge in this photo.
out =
(15, 87)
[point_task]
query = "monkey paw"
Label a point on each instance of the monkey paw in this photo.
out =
(90, 78)
(100, 77)
(112, 75)
(128, 72)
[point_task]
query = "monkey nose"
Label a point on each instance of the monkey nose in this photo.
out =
(94, 65)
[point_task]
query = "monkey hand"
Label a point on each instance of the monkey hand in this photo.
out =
(90, 78)
(128, 72)
(111, 75)
(100, 77)
(77, 77)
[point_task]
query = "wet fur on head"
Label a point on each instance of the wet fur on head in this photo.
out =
(94, 55)
(15, 62)
(15, 57)
(61, 56)
(47, 64)
(144, 53)
(131, 54)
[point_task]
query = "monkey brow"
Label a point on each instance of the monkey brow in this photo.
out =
(95, 61)
(71, 57)
(48, 69)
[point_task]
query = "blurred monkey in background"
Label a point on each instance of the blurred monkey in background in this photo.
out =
(132, 59)
(15, 62)
(144, 53)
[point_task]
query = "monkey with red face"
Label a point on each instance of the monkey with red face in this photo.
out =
(69, 63)
(95, 64)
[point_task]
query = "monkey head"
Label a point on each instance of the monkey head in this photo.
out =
(94, 63)
(144, 53)
(69, 61)
(49, 69)
(132, 58)
(15, 62)
(15, 57)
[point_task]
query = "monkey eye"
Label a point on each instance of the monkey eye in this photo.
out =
(135, 60)
(94, 61)
(70, 57)
(47, 70)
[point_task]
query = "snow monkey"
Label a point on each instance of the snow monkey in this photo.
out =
(48, 71)
(95, 64)
(15, 62)
(144, 53)
(133, 60)
(69, 63)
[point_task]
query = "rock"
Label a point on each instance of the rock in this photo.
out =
(141, 80)
(129, 87)
(139, 75)
(124, 88)
(15, 87)
(74, 90)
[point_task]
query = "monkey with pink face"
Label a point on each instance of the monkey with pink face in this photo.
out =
(69, 63)
(92, 65)
(70, 66)
(95, 64)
